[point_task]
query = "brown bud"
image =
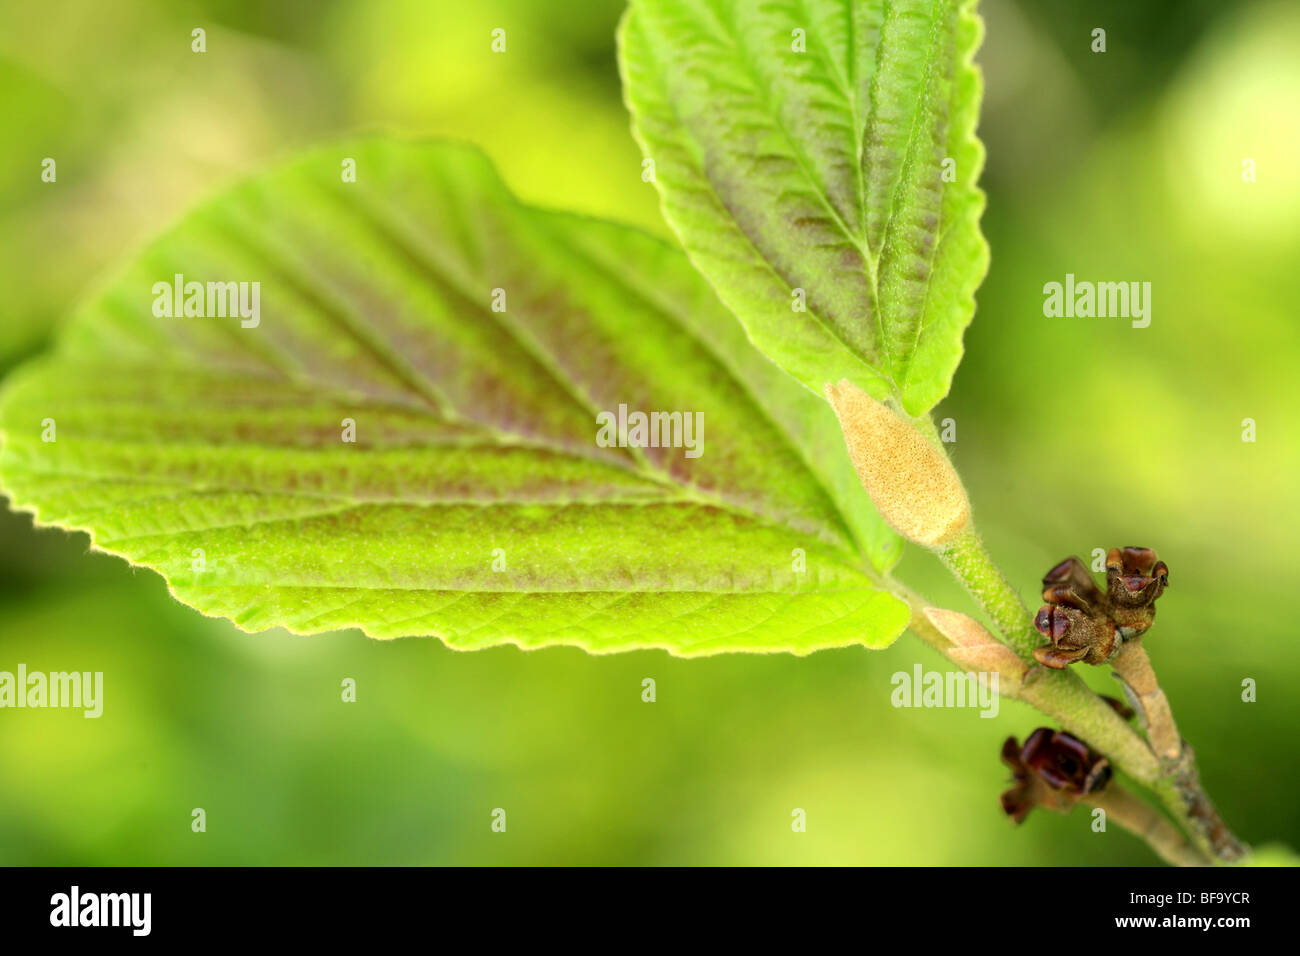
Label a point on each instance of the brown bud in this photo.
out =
(911, 482)
(1053, 770)
(1085, 623)
(1070, 583)
(1134, 580)
(1076, 635)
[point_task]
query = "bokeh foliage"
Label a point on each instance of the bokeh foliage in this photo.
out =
(1072, 435)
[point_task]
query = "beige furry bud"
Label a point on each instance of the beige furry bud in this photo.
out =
(912, 484)
(976, 649)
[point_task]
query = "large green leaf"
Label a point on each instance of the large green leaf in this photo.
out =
(185, 438)
(822, 170)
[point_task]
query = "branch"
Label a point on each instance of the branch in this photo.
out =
(1133, 668)
(964, 641)
(970, 563)
(1063, 695)
(1140, 819)
(913, 485)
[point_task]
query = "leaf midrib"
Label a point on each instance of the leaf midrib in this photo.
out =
(765, 263)
(651, 299)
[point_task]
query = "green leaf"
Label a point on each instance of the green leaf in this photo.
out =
(822, 171)
(213, 453)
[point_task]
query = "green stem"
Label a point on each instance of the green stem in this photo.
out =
(1180, 789)
(972, 565)
(1064, 696)
(1133, 667)
(1142, 820)
(1060, 694)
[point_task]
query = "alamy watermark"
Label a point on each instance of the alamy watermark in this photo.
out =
(652, 430)
(1102, 300)
(946, 689)
(75, 908)
(79, 689)
(213, 300)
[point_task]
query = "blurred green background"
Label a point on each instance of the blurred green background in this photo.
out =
(1072, 434)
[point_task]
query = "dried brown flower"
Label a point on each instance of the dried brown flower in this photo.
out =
(1076, 635)
(1134, 580)
(1085, 623)
(1075, 619)
(1124, 710)
(1070, 583)
(1053, 770)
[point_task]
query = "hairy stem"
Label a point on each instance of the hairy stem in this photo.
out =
(1180, 789)
(970, 563)
(919, 624)
(1180, 785)
(1142, 820)
(1063, 695)
(1133, 667)
(906, 472)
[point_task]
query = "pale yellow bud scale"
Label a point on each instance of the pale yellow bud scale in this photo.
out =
(975, 649)
(911, 482)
